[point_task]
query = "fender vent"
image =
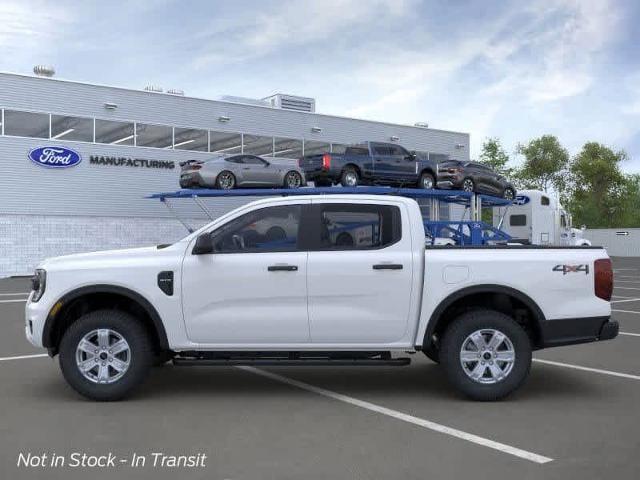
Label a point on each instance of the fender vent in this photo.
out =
(165, 282)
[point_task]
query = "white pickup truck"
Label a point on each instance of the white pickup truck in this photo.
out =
(317, 280)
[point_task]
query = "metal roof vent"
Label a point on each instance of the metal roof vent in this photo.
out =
(175, 91)
(292, 102)
(44, 70)
(421, 124)
(153, 88)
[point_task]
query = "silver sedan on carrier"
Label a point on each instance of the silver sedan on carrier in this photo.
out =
(227, 172)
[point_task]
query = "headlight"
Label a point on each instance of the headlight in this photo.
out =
(38, 284)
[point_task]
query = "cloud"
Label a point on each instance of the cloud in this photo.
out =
(28, 27)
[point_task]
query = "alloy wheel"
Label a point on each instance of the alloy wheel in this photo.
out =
(467, 185)
(351, 179)
(293, 180)
(487, 356)
(103, 356)
(226, 181)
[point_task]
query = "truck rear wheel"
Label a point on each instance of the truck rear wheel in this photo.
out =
(486, 354)
(105, 354)
(349, 177)
(427, 181)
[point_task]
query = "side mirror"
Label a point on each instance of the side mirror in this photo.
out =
(204, 245)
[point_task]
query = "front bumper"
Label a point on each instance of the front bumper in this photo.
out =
(571, 331)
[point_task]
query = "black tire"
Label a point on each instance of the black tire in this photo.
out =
(509, 194)
(287, 182)
(468, 185)
(161, 358)
(427, 181)
(140, 348)
(455, 338)
(432, 352)
(349, 177)
(221, 181)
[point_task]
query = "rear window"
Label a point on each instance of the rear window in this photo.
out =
(358, 227)
(518, 220)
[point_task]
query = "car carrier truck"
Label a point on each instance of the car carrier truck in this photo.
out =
(537, 218)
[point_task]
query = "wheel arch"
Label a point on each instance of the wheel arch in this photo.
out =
(355, 166)
(497, 297)
(85, 299)
(428, 170)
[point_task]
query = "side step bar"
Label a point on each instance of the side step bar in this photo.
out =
(290, 359)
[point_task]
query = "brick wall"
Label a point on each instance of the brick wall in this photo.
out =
(26, 240)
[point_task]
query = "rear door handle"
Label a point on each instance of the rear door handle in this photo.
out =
(282, 268)
(388, 266)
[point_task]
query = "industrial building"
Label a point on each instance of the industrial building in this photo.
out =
(126, 144)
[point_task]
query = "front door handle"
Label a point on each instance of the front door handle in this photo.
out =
(282, 268)
(388, 266)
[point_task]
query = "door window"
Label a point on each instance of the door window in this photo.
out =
(397, 150)
(358, 227)
(271, 229)
(381, 150)
(251, 160)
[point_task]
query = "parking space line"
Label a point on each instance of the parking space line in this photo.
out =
(14, 294)
(22, 357)
(619, 296)
(588, 369)
(626, 281)
(485, 442)
(627, 288)
(625, 311)
(629, 334)
(626, 300)
(22, 300)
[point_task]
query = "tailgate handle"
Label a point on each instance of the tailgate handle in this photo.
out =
(388, 266)
(282, 268)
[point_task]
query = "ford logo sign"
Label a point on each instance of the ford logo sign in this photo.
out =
(521, 200)
(55, 157)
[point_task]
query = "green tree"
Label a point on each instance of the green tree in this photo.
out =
(545, 164)
(601, 194)
(494, 156)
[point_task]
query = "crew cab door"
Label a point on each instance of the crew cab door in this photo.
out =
(359, 273)
(252, 289)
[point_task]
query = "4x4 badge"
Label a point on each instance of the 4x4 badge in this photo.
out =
(571, 269)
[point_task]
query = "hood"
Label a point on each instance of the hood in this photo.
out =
(86, 260)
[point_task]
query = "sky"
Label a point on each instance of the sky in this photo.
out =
(508, 69)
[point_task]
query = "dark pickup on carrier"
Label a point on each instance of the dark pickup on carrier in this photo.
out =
(369, 163)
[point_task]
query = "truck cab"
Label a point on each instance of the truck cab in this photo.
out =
(537, 218)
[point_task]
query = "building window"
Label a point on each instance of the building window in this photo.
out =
(225, 142)
(190, 139)
(71, 128)
(338, 148)
(312, 147)
(544, 201)
(287, 148)
(257, 145)
(114, 133)
(26, 124)
(157, 136)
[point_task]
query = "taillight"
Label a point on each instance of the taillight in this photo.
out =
(326, 161)
(603, 278)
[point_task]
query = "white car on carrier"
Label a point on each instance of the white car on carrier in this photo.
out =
(230, 294)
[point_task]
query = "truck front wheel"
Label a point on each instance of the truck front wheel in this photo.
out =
(486, 354)
(105, 354)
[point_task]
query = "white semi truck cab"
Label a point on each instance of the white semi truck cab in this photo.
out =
(317, 280)
(537, 218)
